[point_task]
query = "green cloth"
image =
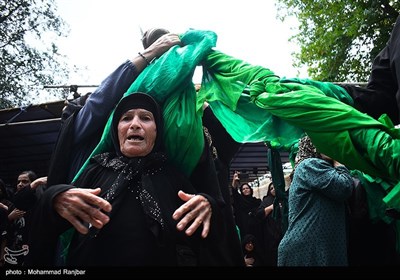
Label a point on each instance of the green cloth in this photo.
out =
(280, 111)
(169, 81)
(278, 179)
(255, 105)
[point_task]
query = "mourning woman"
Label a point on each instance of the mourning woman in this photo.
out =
(130, 207)
(245, 205)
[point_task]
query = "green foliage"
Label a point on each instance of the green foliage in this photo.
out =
(339, 39)
(29, 58)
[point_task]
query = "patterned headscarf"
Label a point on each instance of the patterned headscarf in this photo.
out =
(306, 150)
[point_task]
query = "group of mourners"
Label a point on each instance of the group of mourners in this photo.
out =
(140, 173)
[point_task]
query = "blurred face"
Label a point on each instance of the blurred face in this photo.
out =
(23, 181)
(246, 190)
(272, 190)
(249, 246)
(137, 132)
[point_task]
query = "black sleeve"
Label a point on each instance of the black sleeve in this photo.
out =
(260, 212)
(46, 228)
(373, 102)
(25, 199)
(379, 96)
(226, 146)
(60, 161)
(217, 221)
(205, 178)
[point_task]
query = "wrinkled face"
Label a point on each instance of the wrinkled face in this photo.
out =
(23, 181)
(137, 132)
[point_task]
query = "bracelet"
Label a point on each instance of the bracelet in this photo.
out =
(147, 61)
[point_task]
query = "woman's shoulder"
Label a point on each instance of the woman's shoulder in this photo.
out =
(313, 162)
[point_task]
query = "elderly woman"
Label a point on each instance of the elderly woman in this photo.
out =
(130, 207)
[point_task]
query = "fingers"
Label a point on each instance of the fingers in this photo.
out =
(201, 220)
(185, 207)
(16, 214)
(194, 213)
(38, 182)
(169, 39)
(81, 207)
(164, 43)
(92, 198)
(77, 224)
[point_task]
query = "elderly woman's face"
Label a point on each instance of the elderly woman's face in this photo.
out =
(137, 132)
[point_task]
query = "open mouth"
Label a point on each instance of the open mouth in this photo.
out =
(135, 138)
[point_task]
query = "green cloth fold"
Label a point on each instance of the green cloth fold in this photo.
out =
(169, 81)
(255, 105)
(291, 107)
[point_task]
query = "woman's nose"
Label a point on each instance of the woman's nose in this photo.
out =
(135, 123)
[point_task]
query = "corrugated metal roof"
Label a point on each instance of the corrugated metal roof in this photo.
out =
(27, 137)
(252, 160)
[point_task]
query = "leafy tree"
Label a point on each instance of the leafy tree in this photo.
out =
(338, 39)
(29, 57)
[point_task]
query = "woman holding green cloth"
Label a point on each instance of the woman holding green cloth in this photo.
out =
(130, 206)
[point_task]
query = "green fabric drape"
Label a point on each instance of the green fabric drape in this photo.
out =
(256, 105)
(281, 201)
(169, 81)
(253, 104)
(292, 107)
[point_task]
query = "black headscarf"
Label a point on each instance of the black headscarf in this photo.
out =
(132, 169)
(241, 189)
(134, 101)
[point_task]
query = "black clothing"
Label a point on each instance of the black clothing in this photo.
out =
(382, 94)
(223, 148)
(245, 208)
(369, 242)
(82, 126)
(61, 158)
(18, 230)
(256, 253)
(143, 193)
(135, 235)
(272, 231)
(374, 242)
